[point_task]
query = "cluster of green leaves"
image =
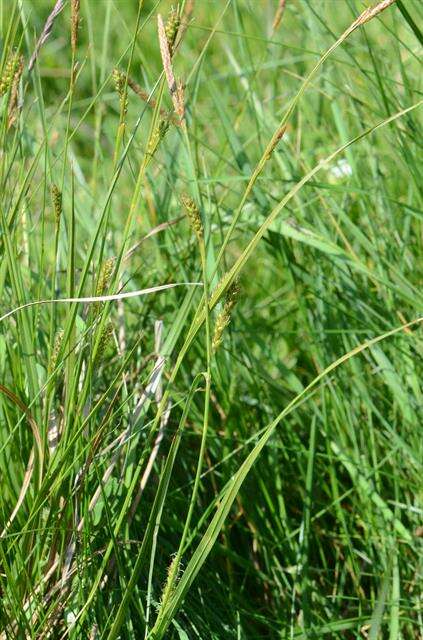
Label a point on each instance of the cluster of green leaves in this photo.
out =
(154, 486)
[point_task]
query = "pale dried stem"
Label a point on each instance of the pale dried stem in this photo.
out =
(372, 12)
(48, 26)
(278, 15)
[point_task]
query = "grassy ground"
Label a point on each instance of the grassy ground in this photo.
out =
(240, 455)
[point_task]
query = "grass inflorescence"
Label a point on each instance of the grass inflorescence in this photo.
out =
(179, 459)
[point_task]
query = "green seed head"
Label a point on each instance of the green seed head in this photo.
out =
(105, 275)
(171, 28)
(58, 339)
(157, 135)
(232, 295)
(171, 581)
(10, 68)
(119, 79)
(56, 197)
(104, 342)
(224, 317)
(103, 283)
(193, 214)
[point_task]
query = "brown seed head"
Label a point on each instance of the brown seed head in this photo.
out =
(74, 23)
(276, 138)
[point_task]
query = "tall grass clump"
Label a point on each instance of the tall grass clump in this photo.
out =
(210, 325)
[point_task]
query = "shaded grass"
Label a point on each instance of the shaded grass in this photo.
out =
(316, 533)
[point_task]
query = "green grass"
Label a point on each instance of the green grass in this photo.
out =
(155, 486)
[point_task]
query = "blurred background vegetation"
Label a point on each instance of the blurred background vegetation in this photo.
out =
(324, 537)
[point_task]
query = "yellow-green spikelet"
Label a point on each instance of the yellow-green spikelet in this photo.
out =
(8, 74)
(224, 317)
(105, 340)
(103, 282)
(157, 135)
(171, 28)
(193, 214)
(58, 339)
(119, 79)
(56, 197)
(105, 275)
